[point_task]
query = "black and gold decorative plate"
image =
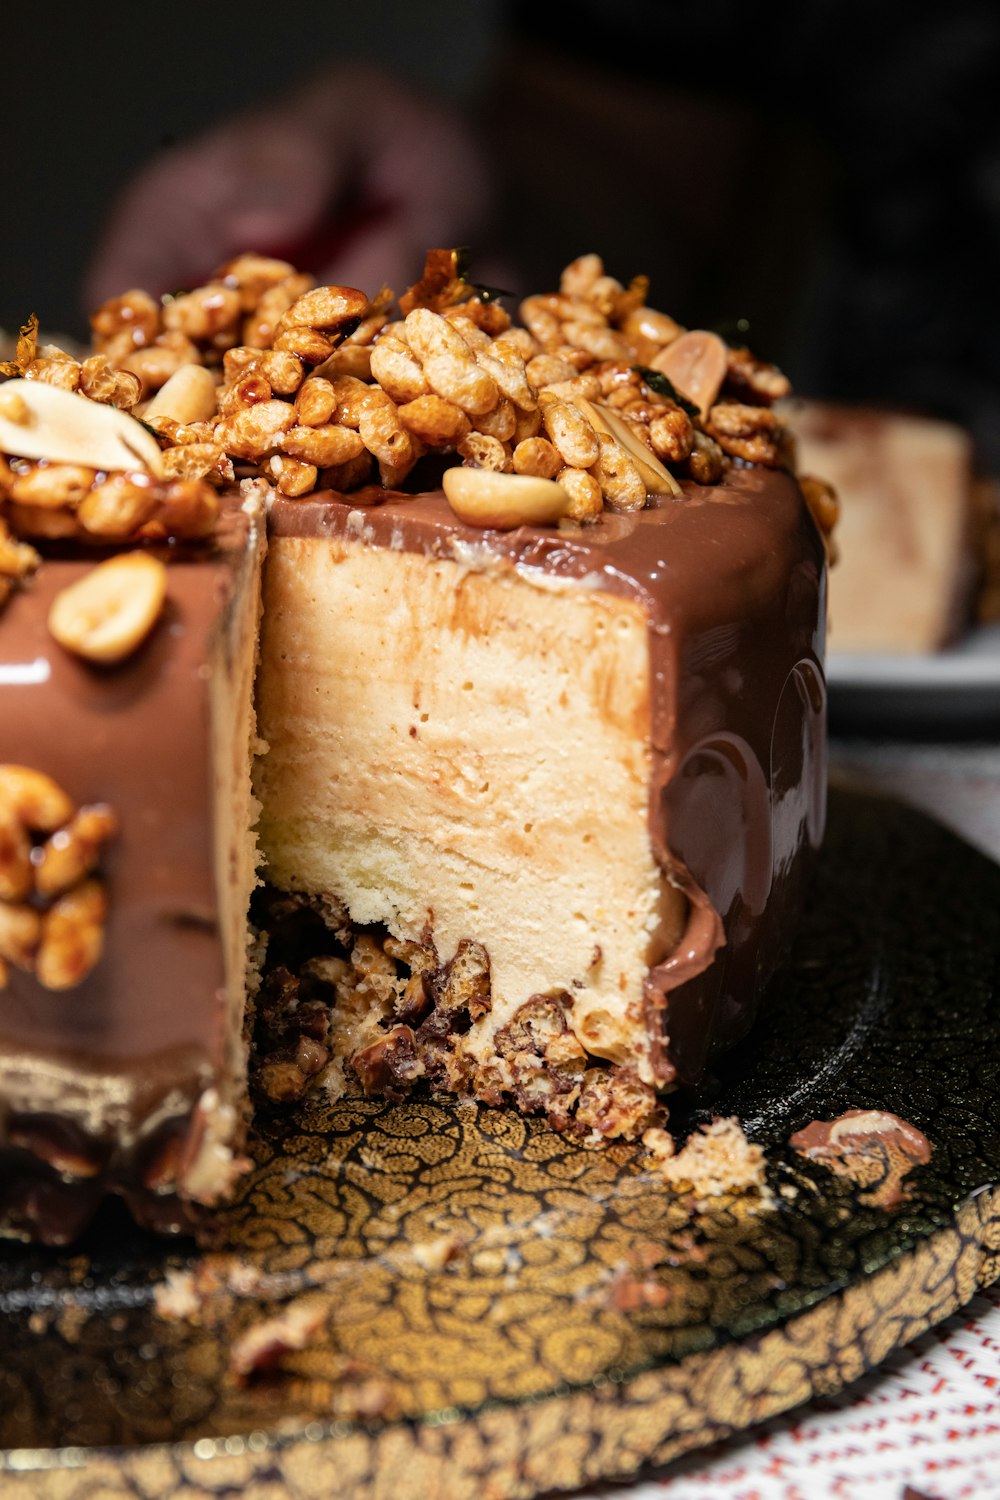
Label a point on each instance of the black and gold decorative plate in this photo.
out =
(433, 1299)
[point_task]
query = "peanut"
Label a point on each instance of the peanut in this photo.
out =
(481, 497)
(66, 428)
(695, 364)
(109, 612)
(188, 396)
(656, 479)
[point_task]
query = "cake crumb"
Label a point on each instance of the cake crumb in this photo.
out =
(434, 1255)
(262, 1347)
(373, 1399)
(175, 1297)
(716, 1160)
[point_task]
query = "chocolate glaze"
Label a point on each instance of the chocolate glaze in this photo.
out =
(873, 1148)
(832, 1137)
(733, 584)
(126, 1054)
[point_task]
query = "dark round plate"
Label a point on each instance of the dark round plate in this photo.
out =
(471, 1305)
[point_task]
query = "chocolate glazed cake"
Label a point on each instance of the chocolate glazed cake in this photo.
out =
(541, 754)
(587, 764)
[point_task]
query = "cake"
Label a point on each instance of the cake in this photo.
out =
(539, 736)
(906, 578)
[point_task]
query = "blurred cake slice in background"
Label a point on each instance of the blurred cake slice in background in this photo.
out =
(906, 578)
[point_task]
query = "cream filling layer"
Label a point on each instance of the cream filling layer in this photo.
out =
(461, 751)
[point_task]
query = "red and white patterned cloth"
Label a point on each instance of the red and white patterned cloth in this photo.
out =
(928, 1418)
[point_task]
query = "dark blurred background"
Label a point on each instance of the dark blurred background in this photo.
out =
(828, 171)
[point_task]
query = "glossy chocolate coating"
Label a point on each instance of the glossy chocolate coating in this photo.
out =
(733, 584)
(128, 1051)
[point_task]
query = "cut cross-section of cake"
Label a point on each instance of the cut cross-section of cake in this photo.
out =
(593, 756)
(541, 764)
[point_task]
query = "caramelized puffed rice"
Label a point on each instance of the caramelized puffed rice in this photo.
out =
(620, 481)
(323, 446)
(255, 431)
(435, 421)
(102, 382)
(450, 374)
(62, 372)
(17, 559)
(537, 456)
(449, 364)
(397, 370)
(315, 402)
(747, 432)
(571, 434)
(51, 485)
(585, 498)
(203, 314)
(292, 477)
(115, 509)
(155, 363)
(260, 326)
(72, 937)
(307, 344)
(126, 323)
(72, 852)
(252, 275)
(52, 909)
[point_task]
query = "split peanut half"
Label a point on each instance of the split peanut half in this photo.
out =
(41, 421)
(109, 612)
(654, 475)
(484, 497)
(695, 364)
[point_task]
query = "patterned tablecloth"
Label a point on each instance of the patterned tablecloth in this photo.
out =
(927, 1422)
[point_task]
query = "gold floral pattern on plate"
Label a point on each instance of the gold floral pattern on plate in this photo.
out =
(455, 1301)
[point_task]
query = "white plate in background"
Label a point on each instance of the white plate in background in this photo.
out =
(953, 691)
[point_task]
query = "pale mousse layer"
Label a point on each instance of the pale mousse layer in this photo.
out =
(463, 752)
